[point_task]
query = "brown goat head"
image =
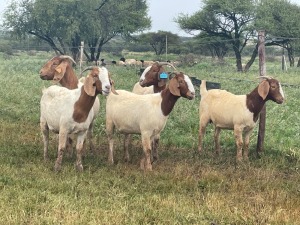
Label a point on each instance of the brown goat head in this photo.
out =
(270, 89)
(152, 76)
(56, 67)
(181, 85)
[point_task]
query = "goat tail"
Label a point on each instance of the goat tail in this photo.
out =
(203, 89)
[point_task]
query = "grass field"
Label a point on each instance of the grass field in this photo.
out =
(183, 188)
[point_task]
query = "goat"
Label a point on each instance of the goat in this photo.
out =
(235, 112)
(144, 114)
(59, 69)
(153, 80)
(127, 62)
(66, 112)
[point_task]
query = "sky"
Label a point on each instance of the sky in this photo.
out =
(162, 13)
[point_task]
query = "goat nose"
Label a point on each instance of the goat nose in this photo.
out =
(107, 86)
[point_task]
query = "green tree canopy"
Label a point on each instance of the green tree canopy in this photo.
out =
(225, 20)
(280, 19)
(65, 23)
(157, 40)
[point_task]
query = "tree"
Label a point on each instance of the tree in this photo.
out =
(223, 19)
(157, 40)
(217, 46)
(281, 19)
(63, 24)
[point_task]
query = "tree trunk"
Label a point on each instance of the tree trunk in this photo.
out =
(99, 49)
(298, 64)
(238, 58)
(253, 57)
(291, 55)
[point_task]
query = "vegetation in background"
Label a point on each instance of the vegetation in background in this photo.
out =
(183, 188)
(159, 40)
(64, 24)
(237, 25)
(280, 18)
(224, 20)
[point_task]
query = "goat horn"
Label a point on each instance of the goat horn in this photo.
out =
(88, 68)
(266, 77)
(67, 57)
(167, 63)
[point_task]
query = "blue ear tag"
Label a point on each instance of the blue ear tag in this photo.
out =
(163, 75)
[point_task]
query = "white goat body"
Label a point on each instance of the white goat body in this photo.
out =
(138, 89)
(131, 105)
(226, 110)
(69, 112)
(235, 112)
(131, 113)
(59, 69)
(57, 109)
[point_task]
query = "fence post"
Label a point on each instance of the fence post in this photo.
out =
(283, 61)
(81, 56)
(262, 72)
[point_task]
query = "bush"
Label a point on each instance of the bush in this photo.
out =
(6, 48)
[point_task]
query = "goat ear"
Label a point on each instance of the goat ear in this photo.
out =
(60, 71)
(263, 89)
(89, 87)
(112, 83)
(174, 87)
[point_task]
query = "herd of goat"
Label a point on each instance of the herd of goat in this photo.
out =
(69, 109)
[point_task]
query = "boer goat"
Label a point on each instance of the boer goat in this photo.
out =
(59, 69)
(235, 112)
(66, 112)
(144, 114)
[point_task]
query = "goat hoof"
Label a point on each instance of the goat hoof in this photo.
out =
(200, 150)
(57, 168)
(79, 168)
(148, 167)
(126, 159)
(155, 158)
(142, 164)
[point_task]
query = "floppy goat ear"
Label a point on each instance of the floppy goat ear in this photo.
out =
(263, 89)
(112, 83)
(60, 71)
(174, 87)
(89, 87)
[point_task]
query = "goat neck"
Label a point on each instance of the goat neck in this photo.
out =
(168, 101)
(84, 104)
(255, 103)
(70, 79)
(157, 89)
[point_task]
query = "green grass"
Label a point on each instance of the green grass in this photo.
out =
(183, 188)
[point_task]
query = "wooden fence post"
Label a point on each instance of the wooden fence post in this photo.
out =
(81, 56)
(283, 61)
(262, 72)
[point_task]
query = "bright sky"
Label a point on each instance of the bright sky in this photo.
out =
(162, 13)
